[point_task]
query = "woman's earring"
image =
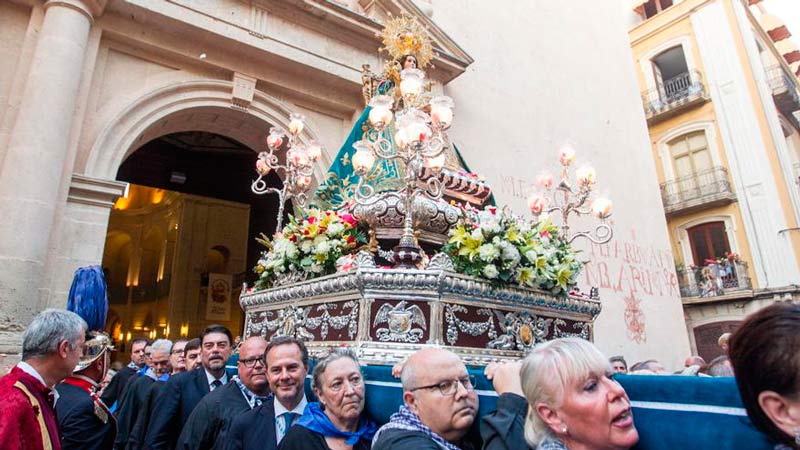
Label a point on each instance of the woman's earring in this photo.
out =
(564, 430)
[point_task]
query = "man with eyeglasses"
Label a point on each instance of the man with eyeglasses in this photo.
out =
(184, 391)
(440, 404)
(264, 427)
(177, 358)
(210, 420)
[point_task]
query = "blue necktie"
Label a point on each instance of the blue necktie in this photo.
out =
(215, 384)
(288, 418)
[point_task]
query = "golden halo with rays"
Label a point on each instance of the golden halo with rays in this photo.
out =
(403, 36)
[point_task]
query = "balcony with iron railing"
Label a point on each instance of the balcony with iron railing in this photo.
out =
(723, 278)
(785, 92)
(705, 189)
(673, 96)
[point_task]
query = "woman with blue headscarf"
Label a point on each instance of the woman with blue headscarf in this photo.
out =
(335, 422)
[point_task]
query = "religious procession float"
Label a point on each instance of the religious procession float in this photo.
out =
(402, 246)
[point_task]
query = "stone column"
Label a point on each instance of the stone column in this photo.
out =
(30, 178)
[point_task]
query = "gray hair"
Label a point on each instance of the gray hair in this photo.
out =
(48, 329)
(333, 355)
(548, 371)
(720, 367)
(161, 346)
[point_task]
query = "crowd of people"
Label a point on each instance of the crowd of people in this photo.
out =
(179, 395)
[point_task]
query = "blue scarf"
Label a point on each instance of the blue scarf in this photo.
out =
(315, 419)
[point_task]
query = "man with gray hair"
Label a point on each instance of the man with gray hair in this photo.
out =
(134, 413)
(52, 346)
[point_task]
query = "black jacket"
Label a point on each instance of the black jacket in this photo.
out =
(139, 430)
(211, 418)
(116, 388)
(504, 429)
(301, 438)
(80, 427)
(173, 406)
(253, 430)
(130, 408)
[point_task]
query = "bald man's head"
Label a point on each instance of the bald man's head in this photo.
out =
(252, 366)
(438, 389)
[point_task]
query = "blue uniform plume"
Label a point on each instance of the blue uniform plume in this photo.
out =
(88, 297)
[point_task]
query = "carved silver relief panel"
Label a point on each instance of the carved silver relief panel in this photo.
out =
(405, 323)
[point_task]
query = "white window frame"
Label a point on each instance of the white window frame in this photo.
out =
(664, 153)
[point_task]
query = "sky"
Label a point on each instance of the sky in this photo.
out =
(789, 12)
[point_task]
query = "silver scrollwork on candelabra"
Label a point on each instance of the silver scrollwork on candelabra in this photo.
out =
(567, 200)
(402, 131)
(296, 170)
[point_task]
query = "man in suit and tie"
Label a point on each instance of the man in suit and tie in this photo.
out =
(212, 417)
(135, 409)
(184, 391)
(115, 390)
(263, 427)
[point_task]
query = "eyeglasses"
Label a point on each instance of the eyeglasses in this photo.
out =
(250, 363)
(449, 387)
(178, 352)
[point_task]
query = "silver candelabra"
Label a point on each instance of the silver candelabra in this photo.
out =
(419, 142)
(296, 170)
(567, 200)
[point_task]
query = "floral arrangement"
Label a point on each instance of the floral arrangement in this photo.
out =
(310, 246)
(509, 250)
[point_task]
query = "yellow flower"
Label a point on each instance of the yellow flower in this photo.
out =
(459, 236)
(563, 277)
(525, 275)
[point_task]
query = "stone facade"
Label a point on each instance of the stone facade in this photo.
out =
(92, 81)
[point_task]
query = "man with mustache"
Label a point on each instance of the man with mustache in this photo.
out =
(184, 391)
(440, 404)
(265, 426)
(135, 405)
(212, 417)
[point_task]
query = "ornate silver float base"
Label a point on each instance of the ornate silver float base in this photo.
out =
(387, 314)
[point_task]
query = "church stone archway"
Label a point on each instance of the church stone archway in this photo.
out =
(189, 141)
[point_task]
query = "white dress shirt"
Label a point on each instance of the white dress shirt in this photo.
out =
(210, 378)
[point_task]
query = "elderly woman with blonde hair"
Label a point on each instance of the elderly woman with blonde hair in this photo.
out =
(573, 403)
